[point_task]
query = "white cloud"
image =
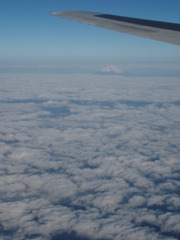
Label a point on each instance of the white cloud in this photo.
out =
(107, 169)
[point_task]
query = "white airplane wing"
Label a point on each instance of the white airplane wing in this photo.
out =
(162, 31)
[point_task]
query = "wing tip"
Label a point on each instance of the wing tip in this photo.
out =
(59, 14)
(54, 13)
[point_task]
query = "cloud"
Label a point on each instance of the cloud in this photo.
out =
(83, 157)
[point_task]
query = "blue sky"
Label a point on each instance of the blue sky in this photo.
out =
(29, 33)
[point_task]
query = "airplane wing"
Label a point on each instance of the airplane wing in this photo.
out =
(161, 31)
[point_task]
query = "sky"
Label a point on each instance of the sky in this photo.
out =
(29, 33)
(89, 125)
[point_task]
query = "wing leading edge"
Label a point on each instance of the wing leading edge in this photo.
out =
(161, 31)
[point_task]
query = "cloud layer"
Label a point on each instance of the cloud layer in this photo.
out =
(83, 157)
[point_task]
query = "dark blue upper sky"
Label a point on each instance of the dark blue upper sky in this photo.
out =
(28, 32)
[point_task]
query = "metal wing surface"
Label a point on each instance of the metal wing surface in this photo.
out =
(161, 31)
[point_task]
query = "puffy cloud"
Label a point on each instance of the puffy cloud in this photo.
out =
(83, 157)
